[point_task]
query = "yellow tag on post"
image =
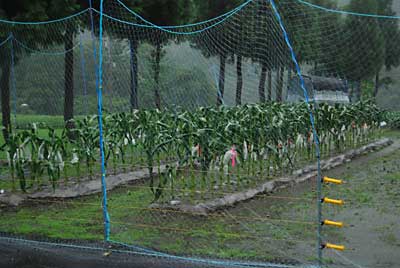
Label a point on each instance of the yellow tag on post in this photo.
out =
(333, 201)
(332, 180)
(333, 223)
(336, 247)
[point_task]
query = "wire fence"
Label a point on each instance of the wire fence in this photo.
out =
(199, 112)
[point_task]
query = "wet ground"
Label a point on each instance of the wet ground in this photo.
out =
(371, 212)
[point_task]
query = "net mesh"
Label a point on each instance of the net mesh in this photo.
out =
(197, 117)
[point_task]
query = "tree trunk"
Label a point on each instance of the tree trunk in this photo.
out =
(157, 76)
(358, 91)
(376, 84)
(269, 84)
(261, 86)
(239, 82)
(351, 92)
(279, 91)
(289, 76)
(221, 82)
(134, 74)
(5, 96)
(69, 77)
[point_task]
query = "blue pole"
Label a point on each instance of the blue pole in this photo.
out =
(303, 87)
(100, 114)
(13, 83)
(83, 73)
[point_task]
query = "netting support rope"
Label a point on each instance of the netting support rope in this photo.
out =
(316, 139)
(13, 83)
(99, 90)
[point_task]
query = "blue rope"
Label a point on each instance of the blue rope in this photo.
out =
(13, 82)
(165, 28)
(149, 254)
(100, 113)
(49, 53)
(347, 12)
(203, 260)
(99, 107)
(229, 13)
(43, 22)
(187, 25)
(98, 73)
(302, 84)
(83, 73)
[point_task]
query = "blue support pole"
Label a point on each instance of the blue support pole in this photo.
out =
(303, 87)
(99, 84)
(13, 83)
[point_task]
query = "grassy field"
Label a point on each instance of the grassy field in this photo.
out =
(24, 121)
(277, 227)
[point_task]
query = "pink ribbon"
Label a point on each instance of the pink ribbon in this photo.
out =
(233, 156)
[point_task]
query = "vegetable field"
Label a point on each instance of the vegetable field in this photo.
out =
(207, 151)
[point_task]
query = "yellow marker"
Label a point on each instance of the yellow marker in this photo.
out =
(332, 201)
(332, 180)
(333, 223)
(333, 246)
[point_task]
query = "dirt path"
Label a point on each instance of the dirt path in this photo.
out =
(85, 188)
(373, 235)
(299, 176)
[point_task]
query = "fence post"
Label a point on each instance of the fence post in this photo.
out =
(316, 139)
(99, 89)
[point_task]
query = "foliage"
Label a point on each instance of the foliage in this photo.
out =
(266, 139)
(392, 119)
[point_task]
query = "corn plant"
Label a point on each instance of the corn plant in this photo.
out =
(262, 140)
(86, 141)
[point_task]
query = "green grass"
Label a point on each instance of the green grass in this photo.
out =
(41, 132)
(23, 121)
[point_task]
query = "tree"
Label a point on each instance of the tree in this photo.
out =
(38, 37)
(63, 8)
(304, 31)
(5, 62)
(271, 48)
(364, 53)
(391, 35)
(240, 44)
(134, 35)
(213, 42)
(69, 76)
(162, 12)
(330, 30)
(20, 10)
